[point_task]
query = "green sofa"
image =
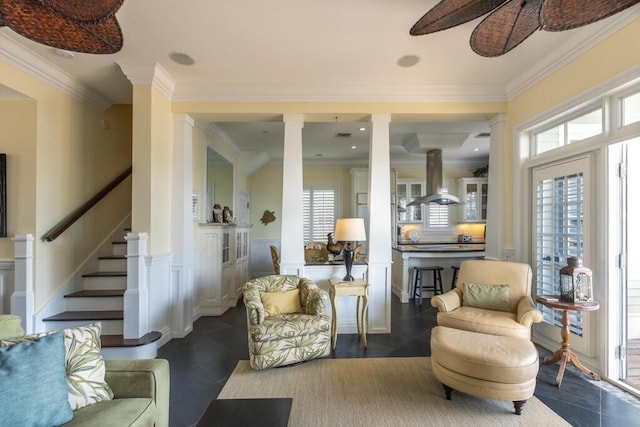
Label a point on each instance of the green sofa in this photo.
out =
(140, 388)
(141, 396)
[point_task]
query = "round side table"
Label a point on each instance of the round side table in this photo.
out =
(564, 353)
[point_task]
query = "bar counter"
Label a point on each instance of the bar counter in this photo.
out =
(443, 254)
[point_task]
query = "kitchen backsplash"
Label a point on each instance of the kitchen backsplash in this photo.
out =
(409, 233)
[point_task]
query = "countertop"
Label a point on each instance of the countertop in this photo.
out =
(441, 247)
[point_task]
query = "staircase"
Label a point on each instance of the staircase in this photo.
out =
(102, 299)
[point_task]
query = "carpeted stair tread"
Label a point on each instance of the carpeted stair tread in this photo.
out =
(100, 293)
(120, 341)
(87, 315)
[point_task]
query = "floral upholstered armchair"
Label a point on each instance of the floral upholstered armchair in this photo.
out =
(286, 321)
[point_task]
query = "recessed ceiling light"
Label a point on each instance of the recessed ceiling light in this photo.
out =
(408, 60)
(181, 58)
(476, 149)
(64, 53)
(363, 129)
(353, 147)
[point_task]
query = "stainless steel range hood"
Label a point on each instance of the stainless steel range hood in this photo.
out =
(435, 192)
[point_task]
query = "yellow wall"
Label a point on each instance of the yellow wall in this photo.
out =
(162, 173)
(601, 63)
(72, 156)
(265, 187)
(18, 142)
(152, 167)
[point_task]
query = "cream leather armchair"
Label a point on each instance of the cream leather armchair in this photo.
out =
(503, 309)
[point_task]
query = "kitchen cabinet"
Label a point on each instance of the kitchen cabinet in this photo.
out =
(473, 192)
(406, 192)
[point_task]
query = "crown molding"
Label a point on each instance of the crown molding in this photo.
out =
(25, 60)
(201, 92)
(150, 74)
(569, 52)
(219, 135)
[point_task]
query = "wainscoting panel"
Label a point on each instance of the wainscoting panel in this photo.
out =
(159, 288)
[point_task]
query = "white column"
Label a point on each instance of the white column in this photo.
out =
(379, 238)
(182, 225)
(136, 297)
(22, 299)
(291, 234)
(495, 199)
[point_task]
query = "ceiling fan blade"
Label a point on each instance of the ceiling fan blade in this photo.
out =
(449, 13)
(560, 15)
(506, 27)
(42, 25)
(86, 10)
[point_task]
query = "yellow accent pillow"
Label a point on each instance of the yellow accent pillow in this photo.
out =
(281, 302)
(489, 297)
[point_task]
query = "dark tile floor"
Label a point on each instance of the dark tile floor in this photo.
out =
(202, 362)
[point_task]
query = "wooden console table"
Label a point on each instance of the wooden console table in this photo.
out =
(564, 354)
(357, 288)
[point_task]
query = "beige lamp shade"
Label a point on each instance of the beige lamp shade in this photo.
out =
(350, 230)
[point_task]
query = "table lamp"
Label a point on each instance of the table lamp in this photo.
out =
(349, 231)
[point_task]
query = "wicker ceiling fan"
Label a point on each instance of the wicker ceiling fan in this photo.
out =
(511, 21)
(87, 26)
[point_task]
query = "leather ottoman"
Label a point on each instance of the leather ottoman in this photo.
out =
(487, 366)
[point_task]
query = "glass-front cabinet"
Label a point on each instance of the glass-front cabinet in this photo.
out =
(473, 192)
(406, 192)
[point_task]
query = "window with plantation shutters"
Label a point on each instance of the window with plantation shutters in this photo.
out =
(438, 215)
(559, 228)
(319, 212)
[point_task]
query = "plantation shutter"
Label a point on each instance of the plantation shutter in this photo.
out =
(319, 213)
(559, 230)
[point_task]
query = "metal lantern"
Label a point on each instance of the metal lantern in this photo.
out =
(576, 282)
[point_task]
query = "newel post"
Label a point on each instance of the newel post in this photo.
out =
(136, 298)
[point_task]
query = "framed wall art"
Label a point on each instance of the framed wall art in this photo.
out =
(3, 195)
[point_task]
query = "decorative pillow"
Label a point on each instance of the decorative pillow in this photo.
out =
(84, 364)
(34, 388)
(490, 297)
(281, 302)
(10, 326)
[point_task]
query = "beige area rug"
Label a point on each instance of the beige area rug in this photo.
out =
(395, 392)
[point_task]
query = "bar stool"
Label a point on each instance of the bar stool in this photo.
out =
(418, 281)
(455, 276)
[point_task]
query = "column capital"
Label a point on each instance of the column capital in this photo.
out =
(380, 118)
(290, 118)
(150, 74)
(183, 118)
(497, 119)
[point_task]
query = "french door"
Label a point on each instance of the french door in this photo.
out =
(562, 227)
